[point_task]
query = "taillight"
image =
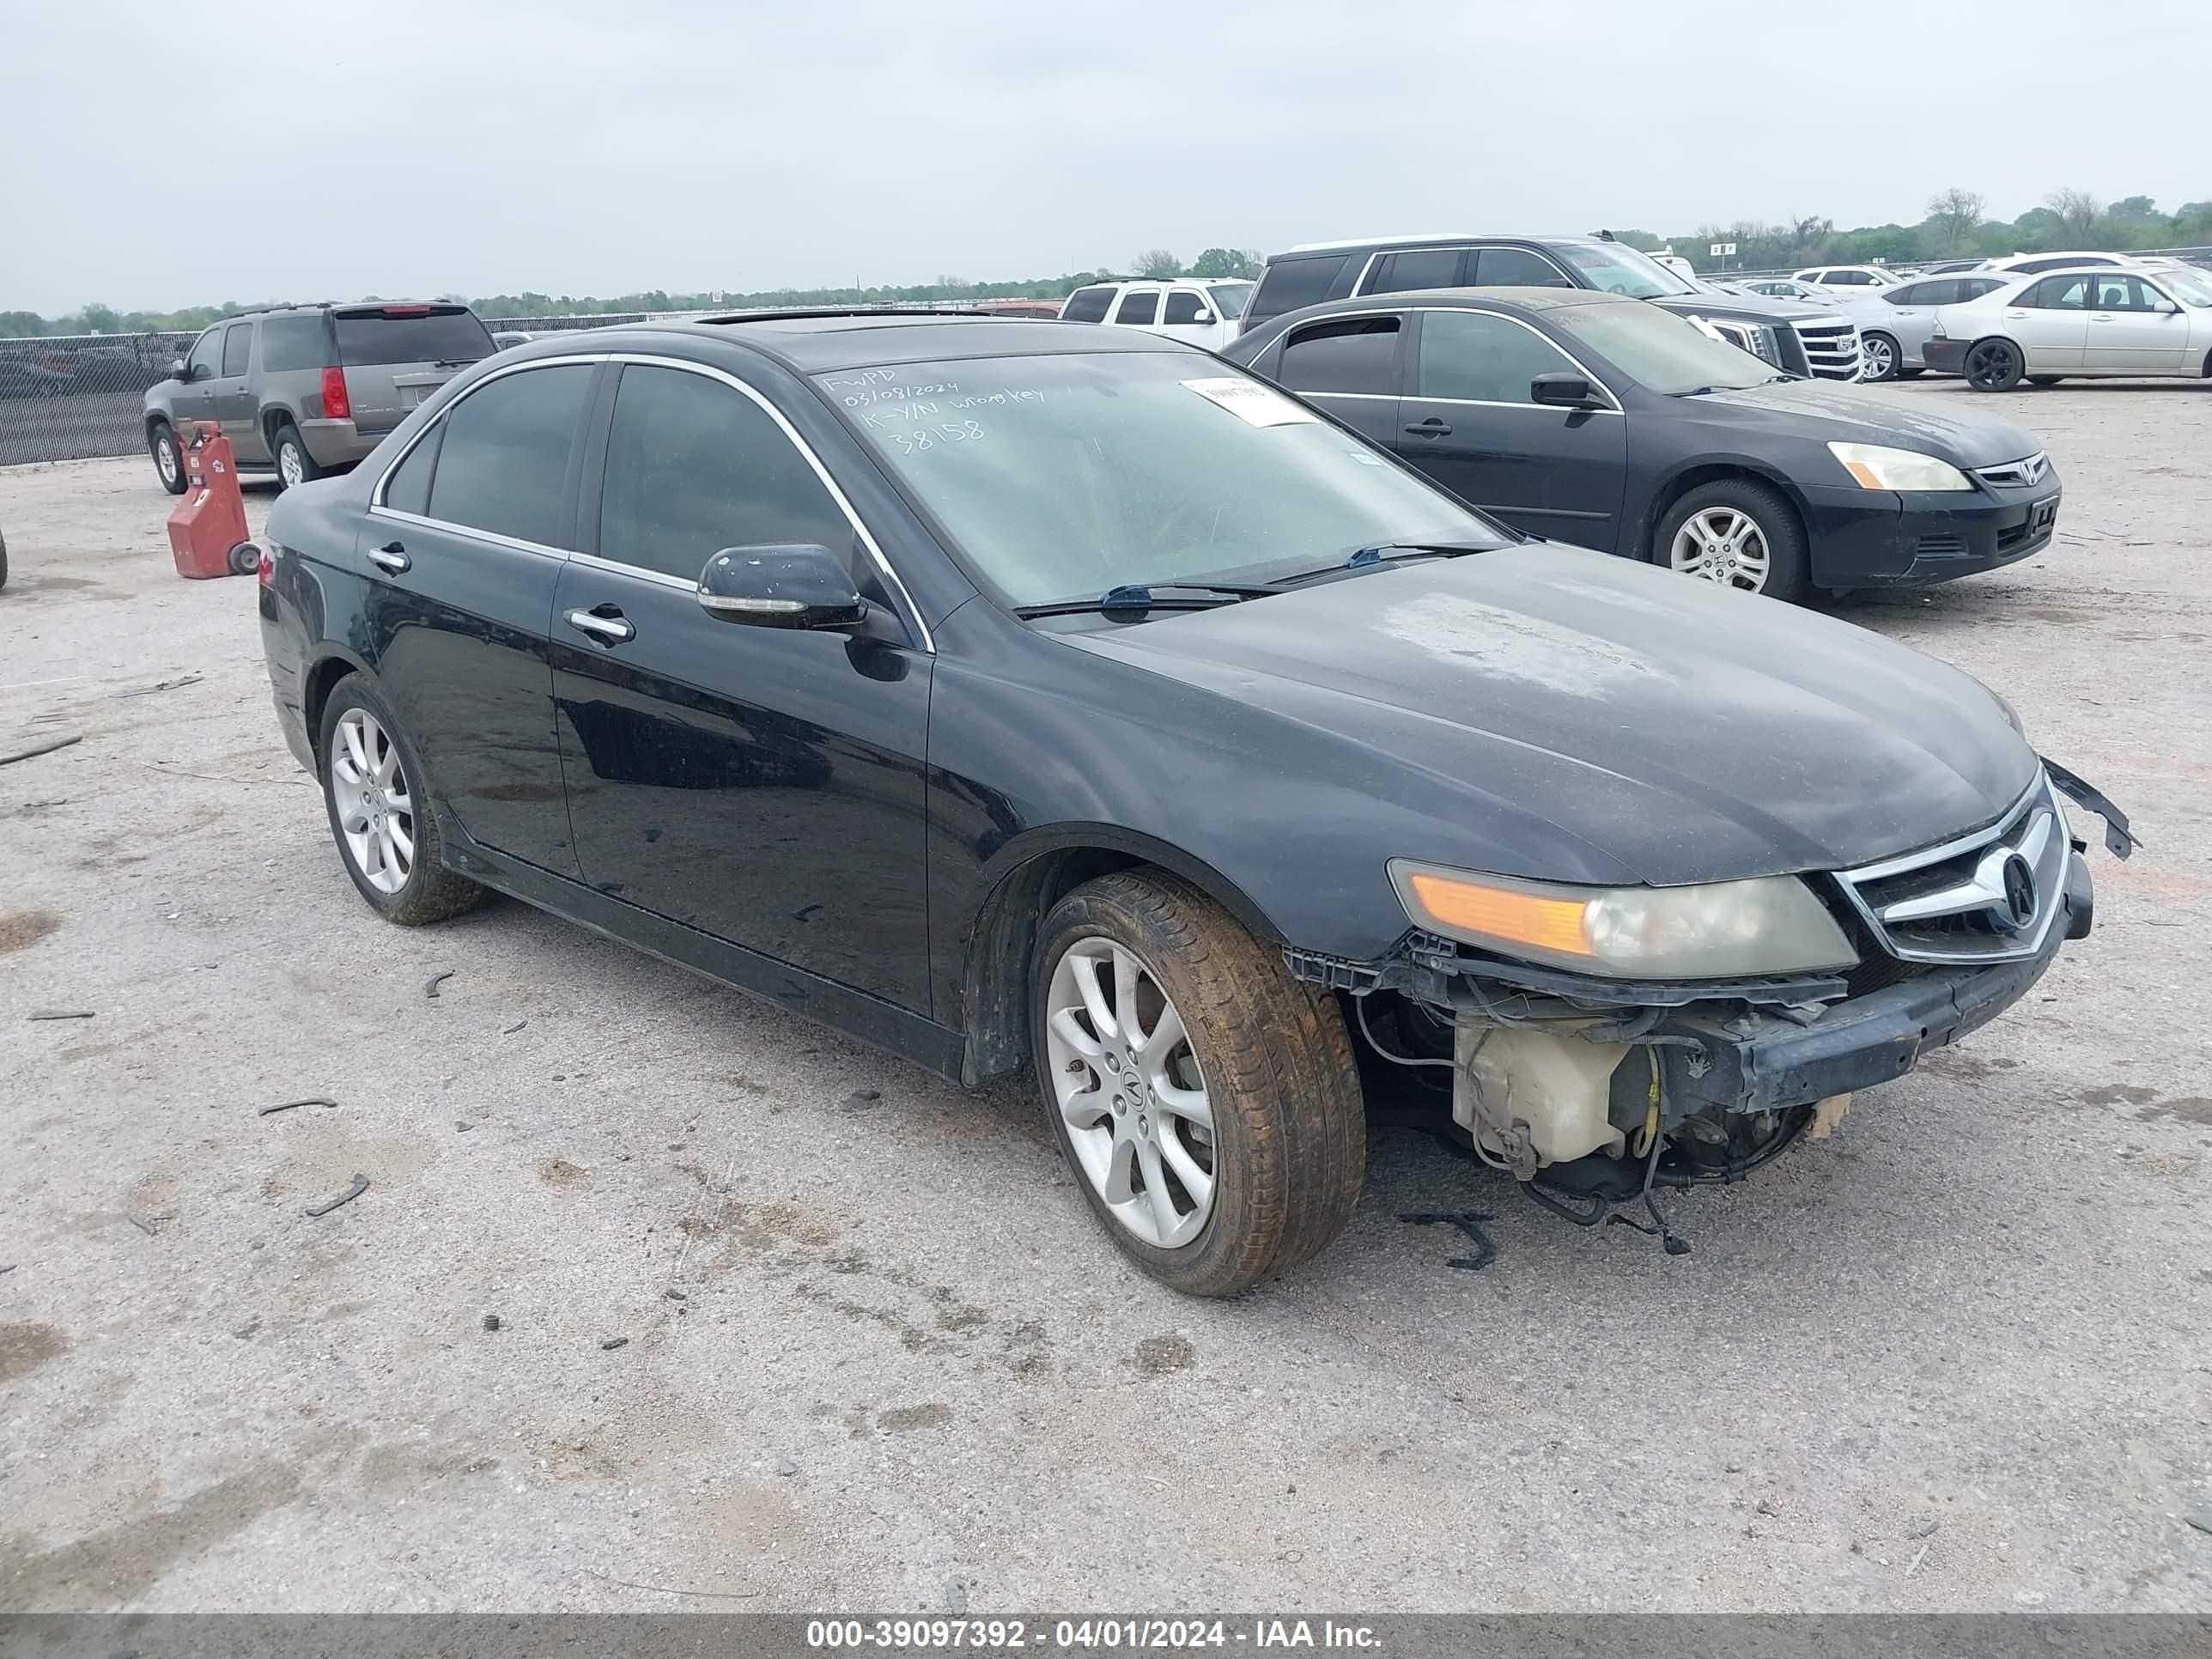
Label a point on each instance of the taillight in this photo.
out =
(336, 406)
(266, 574)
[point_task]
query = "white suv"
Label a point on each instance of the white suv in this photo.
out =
(1200, 311)
(1861, 277)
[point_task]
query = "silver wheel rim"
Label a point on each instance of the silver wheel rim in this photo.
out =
(376, 813)
(1723, 545)
(1880, 360)
(1127, 1086)
(165, 458)
(288, 464)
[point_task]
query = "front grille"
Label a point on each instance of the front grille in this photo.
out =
(1831, 348)
(1990, 896)
(2023, 474)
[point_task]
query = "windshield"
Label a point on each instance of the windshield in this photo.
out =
(2191, 290)
(1663, 351)
(1231, 296)
(1062, 477)
(1616, 268)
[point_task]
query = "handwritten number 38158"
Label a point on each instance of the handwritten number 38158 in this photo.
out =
(954, 432)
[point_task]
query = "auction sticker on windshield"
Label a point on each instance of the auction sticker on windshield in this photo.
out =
(1250, 402)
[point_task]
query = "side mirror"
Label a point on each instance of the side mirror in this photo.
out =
(1204, 317)
(782, 585)
(1561, 390)
(2166, 308)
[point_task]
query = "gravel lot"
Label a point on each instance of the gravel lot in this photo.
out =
(877, 1354)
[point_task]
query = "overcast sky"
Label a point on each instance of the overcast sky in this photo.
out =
(160, 156)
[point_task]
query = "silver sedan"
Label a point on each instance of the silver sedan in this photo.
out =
(1894, 323)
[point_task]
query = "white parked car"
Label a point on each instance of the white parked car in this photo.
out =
(1895, 322)
(2103, 321)
(1200, 311)
(2034, 265)
(1788, 288)
(1859, 276)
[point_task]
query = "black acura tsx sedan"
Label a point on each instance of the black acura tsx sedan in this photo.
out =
(1027, 694)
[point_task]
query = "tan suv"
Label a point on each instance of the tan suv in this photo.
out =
(302, 391)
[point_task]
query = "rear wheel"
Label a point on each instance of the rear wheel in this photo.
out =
(1993, 366)
(1207, 1102)
(1879, 354)
(294, 464)
(380, 815)
(169, 456)
(1740, 533)
(3, 562)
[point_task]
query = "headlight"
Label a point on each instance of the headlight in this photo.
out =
(1768, 924)
(1879, 468)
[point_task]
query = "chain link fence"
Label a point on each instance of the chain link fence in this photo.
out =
(73, 396)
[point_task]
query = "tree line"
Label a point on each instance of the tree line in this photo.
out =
(1955, 226)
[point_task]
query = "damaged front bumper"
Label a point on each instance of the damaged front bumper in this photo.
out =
(1553, 1069)
(1754, 1060)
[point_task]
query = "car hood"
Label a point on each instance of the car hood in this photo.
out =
(1553, 712)
(1861, 417)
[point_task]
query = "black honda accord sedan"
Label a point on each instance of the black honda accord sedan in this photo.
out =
(1613, 424)
(1017, 694)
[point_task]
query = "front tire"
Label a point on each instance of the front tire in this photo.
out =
(1740, 533)
(294, 464)
(1880, 357)
(380, 815)
(1208, 1103)
(1993, 365)
(169, 456)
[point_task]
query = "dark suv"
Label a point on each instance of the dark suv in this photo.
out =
(301, 391)
(1796, 338)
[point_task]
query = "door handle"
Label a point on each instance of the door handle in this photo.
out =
(614, 630)
(2101, 318)
(391, 557)
(1432, 428)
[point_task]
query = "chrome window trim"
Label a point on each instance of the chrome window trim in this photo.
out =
(911, 614)
(2041, 792)
(1612, 404)
(616, 567)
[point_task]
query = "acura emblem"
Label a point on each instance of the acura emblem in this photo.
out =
(2018, 892)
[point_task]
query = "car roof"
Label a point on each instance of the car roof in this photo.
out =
(813, 341)
(1378, 243)
(1156, 282)
(1527, 299)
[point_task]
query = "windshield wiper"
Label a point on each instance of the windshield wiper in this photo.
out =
(1143, 596)
(1383, 553)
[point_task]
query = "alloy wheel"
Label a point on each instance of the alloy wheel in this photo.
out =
(376, 813)
(288, 467)
(1130, 1092)
(1880, 357)
(1989, 363)
(165, 458)
(1723, 545)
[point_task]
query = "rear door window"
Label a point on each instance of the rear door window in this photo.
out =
(1472, 357)
(410, 334)
(1087, 305)
(293, 343)
(2058, 294)
(1972, 287)
(1293, 284)
(1517, 267)
(1415, 268)
(1139, 306)
(1352, 354)
(237, 348)
(504, 464)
